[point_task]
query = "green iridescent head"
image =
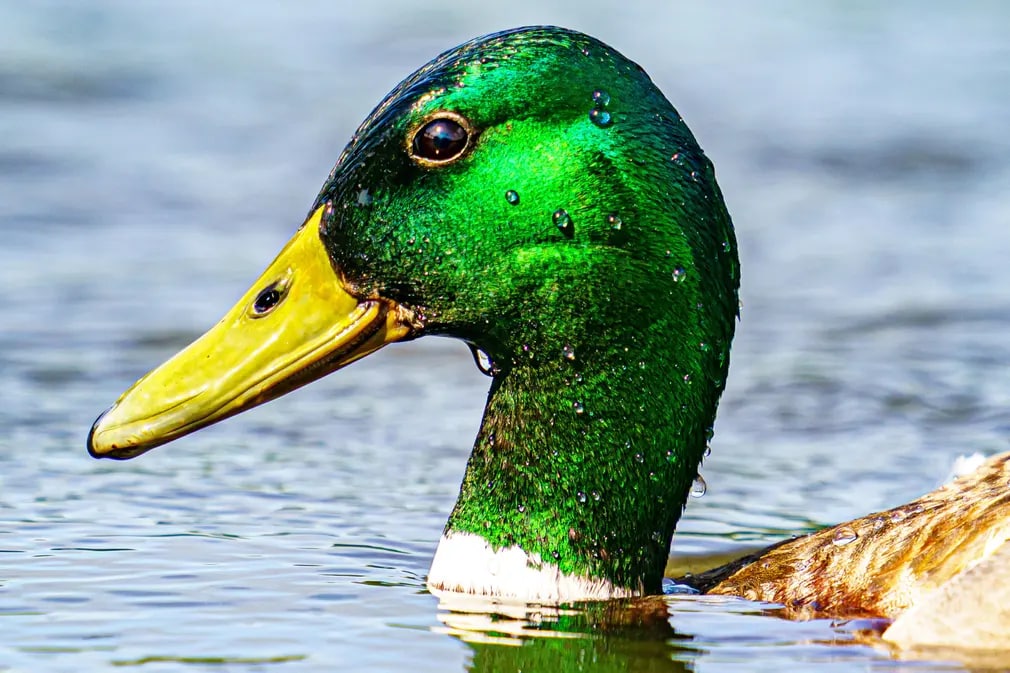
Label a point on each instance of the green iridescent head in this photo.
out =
(533, 193)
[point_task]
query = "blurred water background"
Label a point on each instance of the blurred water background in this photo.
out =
(155, 156)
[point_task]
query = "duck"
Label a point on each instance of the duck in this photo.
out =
(534, 194)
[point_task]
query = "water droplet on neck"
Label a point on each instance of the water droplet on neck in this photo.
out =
(578, 407)
(483, 361)
(568, 352)
(844, 536)
(678, 274)
(563, 221)
(512, 196)
(699, 487)
(601, 98)
(599, 117)
(614, 221)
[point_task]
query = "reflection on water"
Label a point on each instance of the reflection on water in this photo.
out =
(651, 634)
(154, 157)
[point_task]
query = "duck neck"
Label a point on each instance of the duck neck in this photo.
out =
(583, 463)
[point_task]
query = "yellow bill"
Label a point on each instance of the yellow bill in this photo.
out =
(298, 323)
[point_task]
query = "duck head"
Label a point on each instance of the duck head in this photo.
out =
(533, 193)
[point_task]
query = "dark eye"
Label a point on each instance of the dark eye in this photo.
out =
(440, 140)
(267, 299)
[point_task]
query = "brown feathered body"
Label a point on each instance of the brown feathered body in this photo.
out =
(880, 565)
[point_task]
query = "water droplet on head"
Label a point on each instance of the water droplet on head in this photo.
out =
(578, 406)
(678, 274)
(844, 536)
(568, 352)
(596, 495)
(521, 508)
(599, 117)
(614, 221)
(563, 221)
(601, 98)
(580, 496)
(512, 196)
(639, 458)
(699, 487)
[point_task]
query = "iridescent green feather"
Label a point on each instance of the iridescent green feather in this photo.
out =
(611, 336)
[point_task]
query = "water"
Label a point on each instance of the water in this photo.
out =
(155, 156)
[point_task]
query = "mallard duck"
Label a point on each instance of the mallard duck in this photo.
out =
(535, 195)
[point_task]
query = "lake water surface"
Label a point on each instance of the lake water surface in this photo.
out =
(155, 156)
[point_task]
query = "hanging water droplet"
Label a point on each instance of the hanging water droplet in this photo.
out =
(563, 221)
(568, 352)
(671, 588)
(578, 406)
(614, 221)
(580, 496)
(601, 98)
(600, 117)
(708, 450)
(678, 274)
(699, 487)
(483, 361)
(844, 536)
(512, 196)
(556, 554)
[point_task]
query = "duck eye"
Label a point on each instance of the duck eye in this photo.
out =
(440, 140)
(267, 299)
